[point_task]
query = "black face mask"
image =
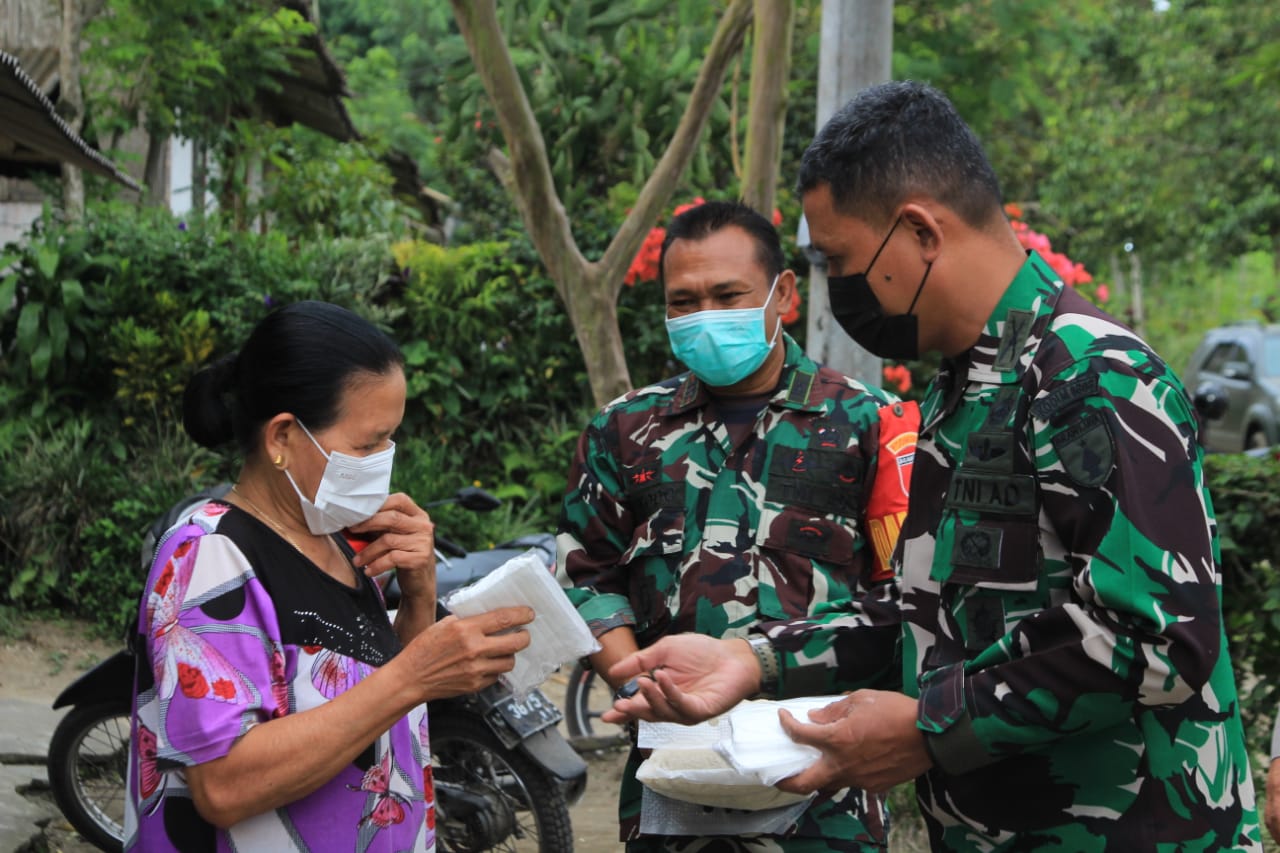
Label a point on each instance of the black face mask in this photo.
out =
(859, 313)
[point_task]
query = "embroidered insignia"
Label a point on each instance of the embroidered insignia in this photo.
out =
(1087, 450)
(1075, 390)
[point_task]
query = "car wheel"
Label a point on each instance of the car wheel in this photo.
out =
(1255, 439)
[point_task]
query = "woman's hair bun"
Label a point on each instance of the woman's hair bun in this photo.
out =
(208, 403)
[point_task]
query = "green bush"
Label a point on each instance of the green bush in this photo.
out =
(1244, 495)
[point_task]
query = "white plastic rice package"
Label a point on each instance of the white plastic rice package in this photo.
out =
(730, 761)
(557, 635)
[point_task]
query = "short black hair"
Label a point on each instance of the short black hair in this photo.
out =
(703, 220)
(298, 359)
(896, 140)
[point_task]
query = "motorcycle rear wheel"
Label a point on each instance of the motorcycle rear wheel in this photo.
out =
(527, 801)
(88, 764)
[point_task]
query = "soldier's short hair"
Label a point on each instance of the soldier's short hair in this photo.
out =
(703, 220)
(898, 140)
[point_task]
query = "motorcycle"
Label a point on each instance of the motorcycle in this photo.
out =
(504, 776)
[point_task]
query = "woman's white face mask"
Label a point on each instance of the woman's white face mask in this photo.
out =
(351, 489)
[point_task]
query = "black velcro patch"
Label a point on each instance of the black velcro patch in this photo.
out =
(1074, 391)
(1017, 326)
(1000, 494)
(977, 546)
(798, 390)
(648, 501)
(825, 481)
(809, 537)
(830, 435)
(984, 621)
(990, 451)
(1087, 450)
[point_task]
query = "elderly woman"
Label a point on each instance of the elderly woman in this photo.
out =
(276, 706)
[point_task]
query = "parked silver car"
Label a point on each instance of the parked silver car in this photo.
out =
(1235, 374)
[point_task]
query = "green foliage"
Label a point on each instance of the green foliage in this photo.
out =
(489, 349)
(315, 187)
(48, 318)
(1248, 511)
(1163, 142)
(186, 70)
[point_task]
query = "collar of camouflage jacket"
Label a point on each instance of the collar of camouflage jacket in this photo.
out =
(797, 387)
(1012, 336)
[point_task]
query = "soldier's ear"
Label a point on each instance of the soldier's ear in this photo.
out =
(925, 229)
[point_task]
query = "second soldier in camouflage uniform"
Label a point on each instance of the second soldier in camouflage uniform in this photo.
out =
(1066, 685)
(709, 506)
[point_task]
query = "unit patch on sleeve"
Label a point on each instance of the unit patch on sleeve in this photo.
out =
(1087, 450)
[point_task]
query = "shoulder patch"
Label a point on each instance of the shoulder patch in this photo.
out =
(1087, 450)
(1060, 398)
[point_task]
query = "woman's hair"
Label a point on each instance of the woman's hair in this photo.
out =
(298, 359)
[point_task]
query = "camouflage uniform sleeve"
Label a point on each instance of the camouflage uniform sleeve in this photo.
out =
(848, 643)
(1135, 621)
(594, 532)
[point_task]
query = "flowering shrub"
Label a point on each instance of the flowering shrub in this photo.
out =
(1071, 273)
(644, 267)
(897, 377)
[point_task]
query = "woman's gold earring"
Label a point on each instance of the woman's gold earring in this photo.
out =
(278, 461)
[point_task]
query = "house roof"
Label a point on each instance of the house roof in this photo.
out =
(34, 138)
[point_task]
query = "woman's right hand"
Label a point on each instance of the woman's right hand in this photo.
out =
(462, 655)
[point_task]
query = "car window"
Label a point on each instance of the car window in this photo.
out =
(1220, 355)
(1270, 356)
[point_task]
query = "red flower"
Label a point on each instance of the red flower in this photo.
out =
(898, 376)
(777, 217)
(645, 265)
(192, 682)
(224, 689)
(1013, 211)
(697, 200)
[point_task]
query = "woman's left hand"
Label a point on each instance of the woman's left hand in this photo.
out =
(402, 537)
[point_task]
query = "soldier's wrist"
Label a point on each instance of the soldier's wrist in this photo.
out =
(767, 658)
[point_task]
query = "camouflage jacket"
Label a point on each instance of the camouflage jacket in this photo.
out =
(1060, 598)
(667, 527)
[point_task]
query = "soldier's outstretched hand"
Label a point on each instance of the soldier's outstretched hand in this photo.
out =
(868, 740)
(684, 678)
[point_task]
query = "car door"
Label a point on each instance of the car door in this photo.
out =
(1229, 365)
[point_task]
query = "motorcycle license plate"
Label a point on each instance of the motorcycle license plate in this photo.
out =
(528, 716)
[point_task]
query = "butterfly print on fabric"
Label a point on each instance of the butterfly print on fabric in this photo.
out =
(388, 806)
(334, 674)
(181, 657)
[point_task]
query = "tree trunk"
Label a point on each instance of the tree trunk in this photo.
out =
(155, 174)
(770, 70)
(589, 290)
(71, 104)
(856, 52)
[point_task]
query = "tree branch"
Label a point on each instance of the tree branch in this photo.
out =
(658, 188)
(770, 67)
(539, 203)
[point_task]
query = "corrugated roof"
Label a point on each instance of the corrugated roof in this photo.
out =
(33, 137)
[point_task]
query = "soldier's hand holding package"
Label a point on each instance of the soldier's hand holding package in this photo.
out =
(868, 738)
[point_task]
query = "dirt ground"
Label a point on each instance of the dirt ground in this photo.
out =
(38, 658)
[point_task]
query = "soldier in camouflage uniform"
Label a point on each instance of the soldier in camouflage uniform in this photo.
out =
(1066, 685)
(744, 490)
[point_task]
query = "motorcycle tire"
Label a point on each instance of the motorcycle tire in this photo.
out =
(578, 716)
(527, 809)
(88, 764)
